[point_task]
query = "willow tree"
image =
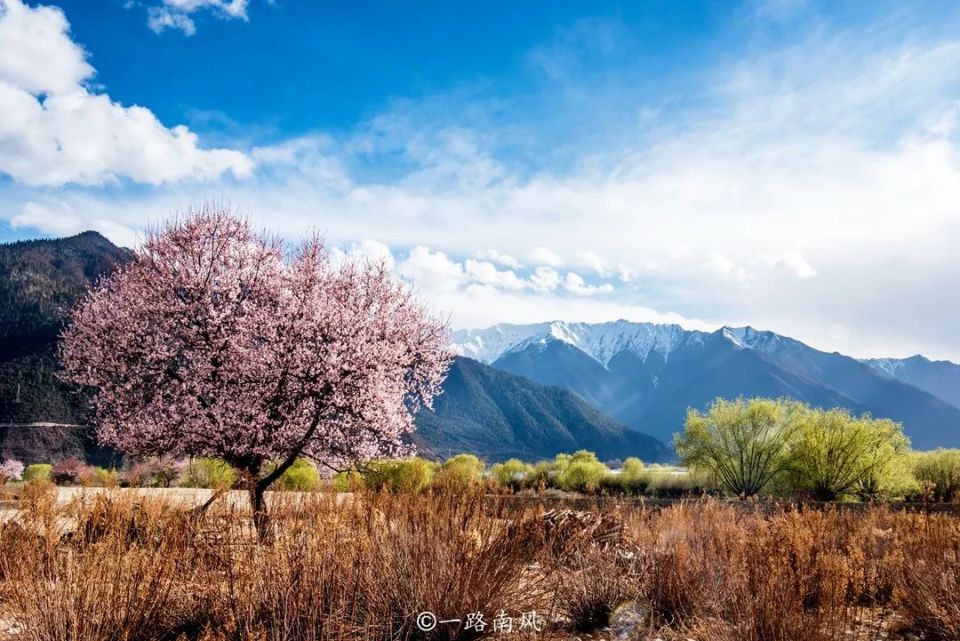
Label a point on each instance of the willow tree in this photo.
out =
(217, 340)
(836, 454)
(743, 444)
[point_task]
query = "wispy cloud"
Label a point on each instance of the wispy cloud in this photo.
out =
(177, 15)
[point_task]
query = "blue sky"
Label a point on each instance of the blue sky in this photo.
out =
(783, 163)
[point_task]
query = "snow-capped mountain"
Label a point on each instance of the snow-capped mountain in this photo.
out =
(940, 378)
(602, 341)
(647, 374)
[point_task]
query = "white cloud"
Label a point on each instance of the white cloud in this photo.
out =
(593, 261)
(159, 19)
(499, 258)
(438, 277)
(176, 14)
(431, 270)
(792, 261)
(544, 256)
(575, 284)
(56, 131)
(38, 55)
(62, 220)
(545, 279)
(369, 250)
(486, 273)
(726, 268)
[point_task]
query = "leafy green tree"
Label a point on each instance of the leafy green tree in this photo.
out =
(581, 472)
(512, 472)
(895, 480)
(940, 469)
(302, 476)
(209, 473)
(460, 472)
(633, 469)
(412, 474)
(544, 472)
(835, 452)
(633, 478)
(348, 481)
(743, 443)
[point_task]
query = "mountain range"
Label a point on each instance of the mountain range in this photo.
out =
(646, 375)
(619, 388)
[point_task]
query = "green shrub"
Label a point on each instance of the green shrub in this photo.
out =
(106, 478)
(512, 473)
(580, 472)
(612, 484)
(669, 482)
(37, 472)
(938, 468)
(209, 473)
(399, 475)
(634, 478)
(632, 468)
(461, 472)
(545, 473)
(302, 476)
(348, 481)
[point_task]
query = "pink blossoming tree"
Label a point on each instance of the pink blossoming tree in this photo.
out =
(216, 340)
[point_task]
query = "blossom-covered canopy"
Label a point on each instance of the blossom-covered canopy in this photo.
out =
(213, 341)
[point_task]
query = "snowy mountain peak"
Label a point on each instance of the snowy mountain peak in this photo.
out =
(750, 338)
(602, 341)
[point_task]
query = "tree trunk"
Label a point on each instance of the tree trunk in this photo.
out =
(258, 487)
(261, 518)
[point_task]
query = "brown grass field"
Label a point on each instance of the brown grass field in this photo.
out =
(128, 566)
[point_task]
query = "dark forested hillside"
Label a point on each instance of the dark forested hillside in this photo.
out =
(39, 281)
(498, 414)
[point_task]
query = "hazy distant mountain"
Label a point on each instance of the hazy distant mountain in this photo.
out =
(647, 375)
(486, 410)
(940, 378)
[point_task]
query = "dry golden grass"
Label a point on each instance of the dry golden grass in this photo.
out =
(135, 569)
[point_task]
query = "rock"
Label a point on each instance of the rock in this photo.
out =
(626, 619)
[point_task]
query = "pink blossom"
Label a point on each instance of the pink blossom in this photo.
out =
(11, 470)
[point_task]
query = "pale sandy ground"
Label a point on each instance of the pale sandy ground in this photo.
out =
(185, 497)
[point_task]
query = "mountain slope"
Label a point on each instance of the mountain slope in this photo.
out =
(483, 409)
(647, 375)
(39, 280)
(940, 378)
